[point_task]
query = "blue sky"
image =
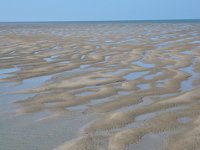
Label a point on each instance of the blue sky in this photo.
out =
(94, 10)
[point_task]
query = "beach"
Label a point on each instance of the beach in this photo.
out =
(100, 86)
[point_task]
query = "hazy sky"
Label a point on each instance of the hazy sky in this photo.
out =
(82, 10)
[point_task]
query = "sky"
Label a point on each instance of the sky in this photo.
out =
(97, 10)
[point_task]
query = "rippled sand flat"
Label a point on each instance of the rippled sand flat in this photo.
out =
(100, 86)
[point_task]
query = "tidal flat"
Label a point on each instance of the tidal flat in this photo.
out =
(100, 86)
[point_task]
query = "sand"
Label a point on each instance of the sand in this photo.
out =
(100, 86)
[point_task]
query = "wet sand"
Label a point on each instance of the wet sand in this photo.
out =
(100, 86)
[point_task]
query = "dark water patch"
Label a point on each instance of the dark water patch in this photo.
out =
(151, 76)
(186, 52)
(27, 84)
(85, 93)
(108, 41)
(168, 95)
(143, 86)
(80, 108)
(123, 92)
(98, 46)
(117, 72)
(6, 57)
(5, 73)
(174, 57)
(135, 75)
(183, 120)
(107, 58)
(187, 84)
(144, 65)
(103, 100)
(51, 59)
(8, 70)
(85, 66)
(64, 62)
(82, 57)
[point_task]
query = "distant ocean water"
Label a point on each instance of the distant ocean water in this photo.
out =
(117, 21)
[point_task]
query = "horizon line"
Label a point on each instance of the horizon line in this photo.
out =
(82, 21)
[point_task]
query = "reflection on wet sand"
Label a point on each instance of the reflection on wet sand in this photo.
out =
(100, 86)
